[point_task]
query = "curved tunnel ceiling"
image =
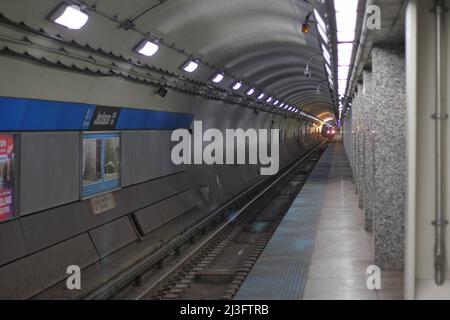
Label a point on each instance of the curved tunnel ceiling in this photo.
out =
(257, 41)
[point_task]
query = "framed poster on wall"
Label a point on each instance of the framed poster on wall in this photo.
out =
(101, 163)
(7, 176)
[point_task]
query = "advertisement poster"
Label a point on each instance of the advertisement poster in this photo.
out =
(101, 163)
(6, 177)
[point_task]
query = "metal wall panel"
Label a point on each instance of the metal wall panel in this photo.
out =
(12, 243)
(113, 236)
(145, 156)
(168, 186)
(49, 164)
(47, 228)
(148, 219)
(51, 264)
(19, 281)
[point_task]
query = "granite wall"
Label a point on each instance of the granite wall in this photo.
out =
(368, 119)
(389, 156)
(361, 145)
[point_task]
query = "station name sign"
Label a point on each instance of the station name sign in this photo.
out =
(101, 118)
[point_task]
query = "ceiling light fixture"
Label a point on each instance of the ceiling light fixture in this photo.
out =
(147, 48)
(305, 26)
(71, 17)
(218, 77)
(236, 86)
(190, 66)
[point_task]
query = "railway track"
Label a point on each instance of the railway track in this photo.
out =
(214, 262)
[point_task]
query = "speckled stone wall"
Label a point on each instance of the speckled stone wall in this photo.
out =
(389, 156)
(361, 145)
(348, 139)
(355, 121)
(368, 156)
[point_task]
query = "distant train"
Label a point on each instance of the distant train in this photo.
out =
(329, 132)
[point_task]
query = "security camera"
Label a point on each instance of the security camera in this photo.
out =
(161, 91)
(308, 73)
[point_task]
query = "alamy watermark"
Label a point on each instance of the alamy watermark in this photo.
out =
(373, 21)
(74, 280)
(374, 279)
(237, 146)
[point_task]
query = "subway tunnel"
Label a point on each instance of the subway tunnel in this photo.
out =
(224, 150)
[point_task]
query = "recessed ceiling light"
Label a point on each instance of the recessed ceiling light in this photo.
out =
(269, 99)
(147, 48)
(190, 66)
(282, 105)
(250, 91)
(71, 17)
(276, 103)
(261, 95)
(236, 86)
(217, 78)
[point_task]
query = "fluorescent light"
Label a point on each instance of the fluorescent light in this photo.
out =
(346, 5)
(250, 91)
(322, 27)
(326, 54)
(345, 51)
(319, 20)
(236, 86)
(324, 35)
(217, 78)
(269, 99)
(282, 105)
(327, 67)
(261, 95)
(70, 17)
(346, 36)
(190, 66)
(342, 83)
(147, 48)
(276, 103)
(343, 72)
(346, 21)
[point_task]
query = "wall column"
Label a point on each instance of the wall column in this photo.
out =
(389, 147)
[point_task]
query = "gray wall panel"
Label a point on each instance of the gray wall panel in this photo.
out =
(113, 236)
(49, 176)
(44, 229)
(168, 186)
(12, 243)
(138, 196)
(51, 264)
(179, 204)
(146, 155)
(148, 219)
(19, 281)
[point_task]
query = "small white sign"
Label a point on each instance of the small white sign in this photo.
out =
(103, 203)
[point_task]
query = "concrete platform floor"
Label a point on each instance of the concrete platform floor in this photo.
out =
(343, 249)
